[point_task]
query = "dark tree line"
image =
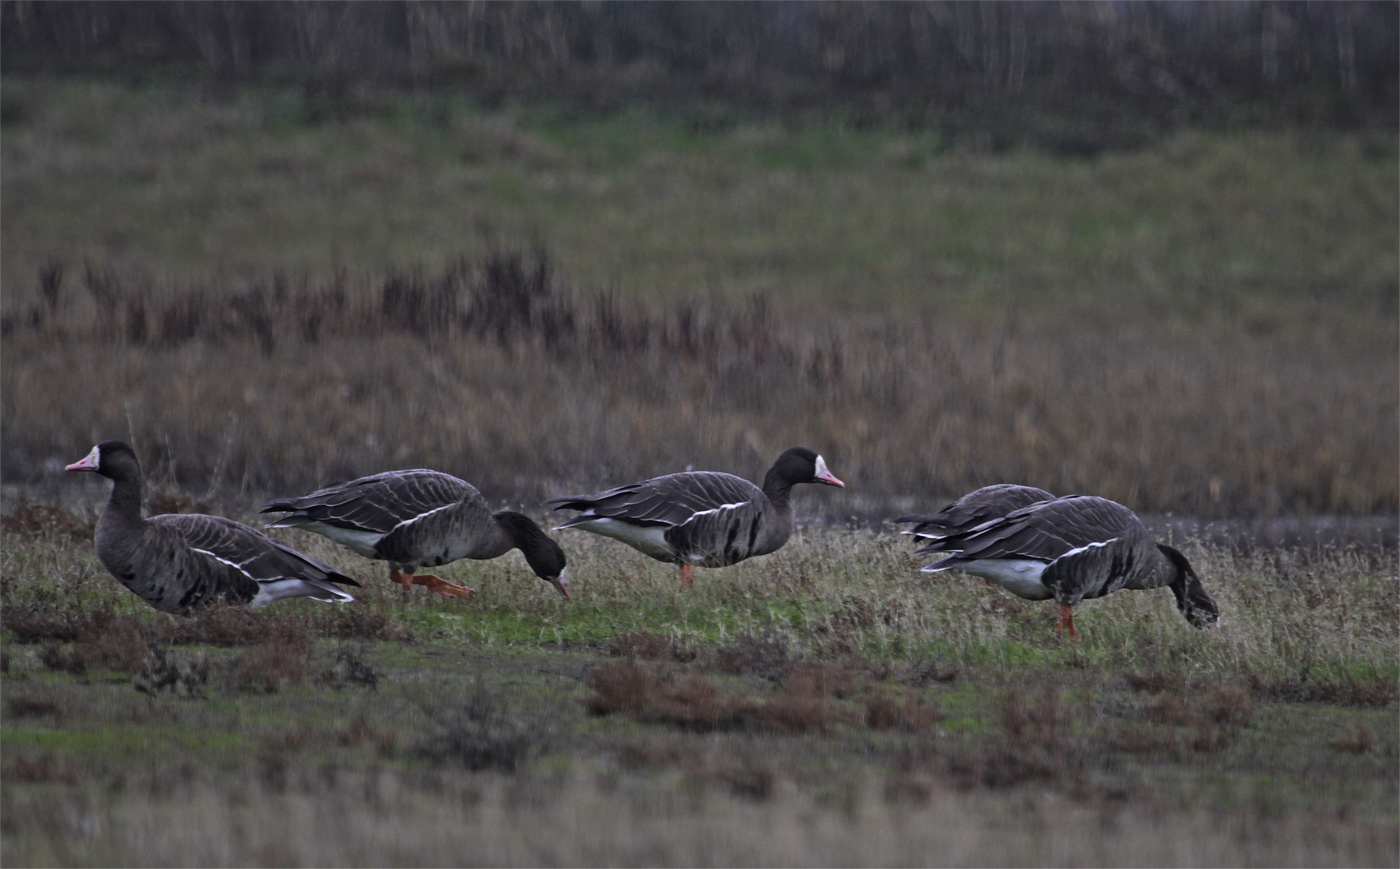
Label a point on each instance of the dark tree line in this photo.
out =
(1332, 63)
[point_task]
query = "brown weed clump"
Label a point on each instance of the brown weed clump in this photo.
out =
(281, 659)
(361, 621)
(484, 734)
(642, 645)
(1034, 742)
(352, 667)
(30, 706)
(32, 625)
(52, 619)
(1358, 740)
(758, 656)
(689, 701)
(32, 519)
(1155, 681)
(41, 768)
(805, 701)
(1346, 690)
(114, 643)
(224, 624)
(1180, 721)
(911, 715)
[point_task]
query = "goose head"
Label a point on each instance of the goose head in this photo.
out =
(801, 465)
(543, 555)
(115, 460)
(1191, 597)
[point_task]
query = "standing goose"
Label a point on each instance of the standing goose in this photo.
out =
(700, 518)
(419, 518)
(1071, 549)
(974, 508)
(182, 561)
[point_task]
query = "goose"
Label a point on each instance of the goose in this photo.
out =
(974, 508)
(420, 518)
(1073, 548)
(179, 562)
(700, 518)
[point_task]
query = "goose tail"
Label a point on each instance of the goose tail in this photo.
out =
(270, 590)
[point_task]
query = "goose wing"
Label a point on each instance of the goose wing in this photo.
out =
(975, 508)
(721, 535)
(376, 504)
(668, 501)
(247, 550)
(1045, 531)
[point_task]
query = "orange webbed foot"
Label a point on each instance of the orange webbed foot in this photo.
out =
(442, 586)
(403, 579)
(433, 583)
(687, 575)
(1066, 621)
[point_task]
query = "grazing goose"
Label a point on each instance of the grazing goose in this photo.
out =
(419, 518)
(700, 518)
(1071, 549)
(181, 561)
(974, 508)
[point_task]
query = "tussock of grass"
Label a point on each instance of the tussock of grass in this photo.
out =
(280, 659)
(1350, 689)
(806, 698)
(30, 518)
(483, 734)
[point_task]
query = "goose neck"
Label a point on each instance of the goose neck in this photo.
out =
(124, 504)
(779, 490)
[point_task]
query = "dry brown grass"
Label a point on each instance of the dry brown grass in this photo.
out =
(500, 374)
(280, 659)
(1346, 690)
(810, 696)
(31, 518)
(115, 643)
(1176, 721)
(639, 644)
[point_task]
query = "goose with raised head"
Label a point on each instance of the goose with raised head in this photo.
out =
(700, 518)
(1070, 549)
(179, 562)
(421, 518)
(974, 508)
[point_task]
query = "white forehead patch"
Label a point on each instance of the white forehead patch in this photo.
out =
(821, 466)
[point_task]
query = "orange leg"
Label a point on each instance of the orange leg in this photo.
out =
(687, 575)
(1066, 621)
(435, 583)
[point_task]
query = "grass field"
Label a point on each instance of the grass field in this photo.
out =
(265, 295)
(263, 300)
(824, 705)
(182, 183)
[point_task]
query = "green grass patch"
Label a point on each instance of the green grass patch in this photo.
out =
(660, 207)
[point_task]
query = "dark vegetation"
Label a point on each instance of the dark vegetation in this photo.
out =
(1070, 77)
(504, 374)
